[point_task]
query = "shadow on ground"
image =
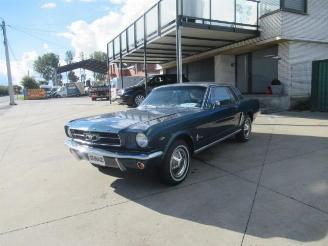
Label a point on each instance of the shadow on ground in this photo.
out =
(292, 201)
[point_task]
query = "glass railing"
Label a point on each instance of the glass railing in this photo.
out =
(168, 12)
(162, 17)
(267, 6)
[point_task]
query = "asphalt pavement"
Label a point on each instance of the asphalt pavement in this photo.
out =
(272, 190)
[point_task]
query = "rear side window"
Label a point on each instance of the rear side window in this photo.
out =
(222, 95)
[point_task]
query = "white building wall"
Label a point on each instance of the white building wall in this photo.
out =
(295, 66)
(310, 26)
(270, 26)
(225, 69)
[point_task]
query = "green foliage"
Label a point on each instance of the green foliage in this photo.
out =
(43, 82)
(46, 65)
(72, 77)
(99, 56)
(29, 83)
(69, 56)
(3, 90)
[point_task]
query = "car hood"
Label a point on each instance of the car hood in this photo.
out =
(135, 119)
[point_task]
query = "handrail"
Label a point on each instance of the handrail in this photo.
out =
(180, 15)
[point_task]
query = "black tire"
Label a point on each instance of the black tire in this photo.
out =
(175, 174)
(138, 99)
(246, 130)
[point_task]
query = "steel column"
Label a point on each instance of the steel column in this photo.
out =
(121, 63)
(178, 43)
(145, 53)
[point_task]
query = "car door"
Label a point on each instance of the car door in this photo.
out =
(223, 112)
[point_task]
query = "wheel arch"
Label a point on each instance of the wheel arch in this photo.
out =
(185, 136)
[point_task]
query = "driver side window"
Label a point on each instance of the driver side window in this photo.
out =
(222, 95)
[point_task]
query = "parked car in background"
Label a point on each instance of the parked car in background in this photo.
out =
(172, 124)
(134, 95)
(70, 90)
(100, 92)
(47, 89)
(116, 84)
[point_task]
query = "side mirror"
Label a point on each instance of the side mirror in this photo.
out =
(217, 104)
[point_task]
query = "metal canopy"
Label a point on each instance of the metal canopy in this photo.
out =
(90, 64)
(173, 30)
(193, 41)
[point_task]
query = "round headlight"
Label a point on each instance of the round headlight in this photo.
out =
(69, 133)
(142, 140)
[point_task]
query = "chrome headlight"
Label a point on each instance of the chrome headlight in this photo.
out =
(69, 133)
(142, 140)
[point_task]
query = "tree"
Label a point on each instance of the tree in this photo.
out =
(43, 82)
(72, 77)
(3, 90)
(29, 83)
(69, 56)
(46, 65)
(99, 56)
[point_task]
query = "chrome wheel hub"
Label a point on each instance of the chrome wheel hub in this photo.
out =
(139, 99)
(247, 128)
(179, 162)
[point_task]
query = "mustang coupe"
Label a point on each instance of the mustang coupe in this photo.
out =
(172, 124)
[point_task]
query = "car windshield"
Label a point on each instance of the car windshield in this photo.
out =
(177, 96)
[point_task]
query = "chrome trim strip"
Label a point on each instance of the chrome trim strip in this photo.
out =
(216, 142)
(95, 143)
(91, 150)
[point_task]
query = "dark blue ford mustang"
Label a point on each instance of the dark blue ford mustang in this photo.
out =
(173, 123)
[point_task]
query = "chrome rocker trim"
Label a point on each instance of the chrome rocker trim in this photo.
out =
(91, 150)
(216, 142)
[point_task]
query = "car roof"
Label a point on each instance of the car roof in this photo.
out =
(203, 84)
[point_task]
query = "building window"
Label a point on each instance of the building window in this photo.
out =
(271, 6)
(298, 6)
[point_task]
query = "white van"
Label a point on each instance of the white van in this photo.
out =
(116, 84)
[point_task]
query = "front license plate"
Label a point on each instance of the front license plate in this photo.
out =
(97, 160)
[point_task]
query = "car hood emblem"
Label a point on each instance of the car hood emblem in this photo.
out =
(91, 137)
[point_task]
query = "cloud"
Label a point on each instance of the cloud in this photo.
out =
(88, 37)
(48, 6)
(20, 68)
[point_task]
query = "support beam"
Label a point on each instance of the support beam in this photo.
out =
(178, 43)
(145, 53)
(121, 63)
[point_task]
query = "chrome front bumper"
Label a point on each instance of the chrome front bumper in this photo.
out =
(80, 151)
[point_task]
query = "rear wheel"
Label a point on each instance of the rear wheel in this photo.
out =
(138, 99)
(246, 130)
(176, 163)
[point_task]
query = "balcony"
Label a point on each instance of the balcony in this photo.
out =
(176, 29)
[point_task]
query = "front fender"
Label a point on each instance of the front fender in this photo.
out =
(183, 134)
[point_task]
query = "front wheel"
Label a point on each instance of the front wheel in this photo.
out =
(246, 130)
(176, 163)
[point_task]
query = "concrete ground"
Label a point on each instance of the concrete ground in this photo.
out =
(49, 198)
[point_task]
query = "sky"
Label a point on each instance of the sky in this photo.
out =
(35, 27)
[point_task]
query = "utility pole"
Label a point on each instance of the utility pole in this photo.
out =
(10, 82)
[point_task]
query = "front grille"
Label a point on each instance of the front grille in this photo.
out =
(96, 138)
